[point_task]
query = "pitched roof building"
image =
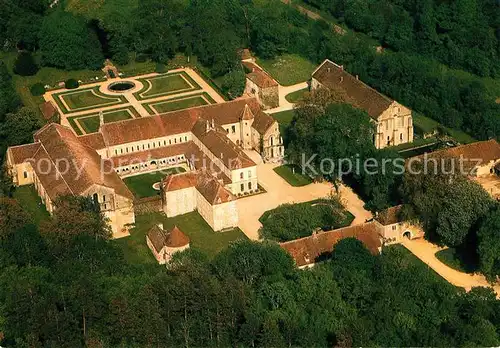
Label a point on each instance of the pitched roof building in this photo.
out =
(261, 85)
(164, 244)
(209, 139)
(393, 121)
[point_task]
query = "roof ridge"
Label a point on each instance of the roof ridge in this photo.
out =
(57, 169)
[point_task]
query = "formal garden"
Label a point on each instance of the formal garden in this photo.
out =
(85, 99)
(89, 123)
(174, 104)
(165, 85)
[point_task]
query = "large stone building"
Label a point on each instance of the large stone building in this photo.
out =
(480, 161)
(261, 85)
(393, 121)
(208, 140)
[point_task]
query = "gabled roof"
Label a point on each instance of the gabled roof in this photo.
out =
(358, 93)
(93, 140)
(485, 151)
(259, 76)
(389, 216)
(306, 251)
(172, 239)
(217, 142)
(21, 153)
(65, 165)
(180, 181)
(263, 122)
(213, 191)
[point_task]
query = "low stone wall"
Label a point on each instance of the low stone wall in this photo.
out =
(147, 205)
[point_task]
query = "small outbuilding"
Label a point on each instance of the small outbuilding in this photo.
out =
(164, 244)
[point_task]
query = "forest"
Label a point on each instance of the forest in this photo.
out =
(64, 284)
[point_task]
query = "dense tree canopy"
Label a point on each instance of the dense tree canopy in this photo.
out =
(67, 42)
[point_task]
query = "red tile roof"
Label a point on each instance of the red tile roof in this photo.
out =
(94, 140)
(180, 181)
(306, 251)
(389, 216)
(161, 238)
(486, 151)
(48, 110)
(357, 93)
(21, 153)
(72, 164)
(263, 122)
(259, 76)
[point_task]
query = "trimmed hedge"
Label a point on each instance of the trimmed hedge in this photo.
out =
(37, 89)
(71, 84)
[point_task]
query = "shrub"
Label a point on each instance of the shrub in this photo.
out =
(161, 68)
(233, 83)
(71, 84)
(37, 89)
(25, 65)
(141, 58)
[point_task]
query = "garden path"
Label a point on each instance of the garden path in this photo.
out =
(426, 252)
(280, 192)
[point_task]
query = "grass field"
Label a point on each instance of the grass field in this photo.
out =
(203, 238)
(178, 103)
(293, 178)
(85, 99)
(284, 117)
(296, 96)
(90, 122)
(166, 84)
(31, 203)
(142, 185)
(428, 125)
(288, 69)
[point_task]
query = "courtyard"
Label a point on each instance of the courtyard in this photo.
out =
(148, 95)
(142, 185)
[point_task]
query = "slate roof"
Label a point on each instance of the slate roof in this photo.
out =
(306, 251)
(358, 93)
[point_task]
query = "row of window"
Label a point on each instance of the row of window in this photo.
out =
(153, 145)
(242, 186)
(171, 160)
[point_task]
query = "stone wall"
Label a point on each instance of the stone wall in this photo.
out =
(270, 97)
(147, 205)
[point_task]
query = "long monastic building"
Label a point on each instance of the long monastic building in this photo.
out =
(208, 141)
(393, 121)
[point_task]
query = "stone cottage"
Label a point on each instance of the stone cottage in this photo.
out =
(164, 244)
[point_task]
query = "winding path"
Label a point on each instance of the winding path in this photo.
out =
(426, 252)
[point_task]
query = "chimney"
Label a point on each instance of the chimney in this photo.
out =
(221, 155)
(342, 67)
(207, 126)
(101, 119)
(357, 77)
(160, 225)
(328, 69)
(213, 124)
(341, 78)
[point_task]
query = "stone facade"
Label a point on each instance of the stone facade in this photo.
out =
(261, 85)
(393, 121)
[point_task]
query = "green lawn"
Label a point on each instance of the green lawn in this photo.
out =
(31, 203)
(288, 69)
(166, 84)
(90, 122)
(295, 179)
(456, 260)
(142, 185)
(425, 124)
(203, 238)
(284, 117)
(85, 99)
(177, 104)
(296, 96)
